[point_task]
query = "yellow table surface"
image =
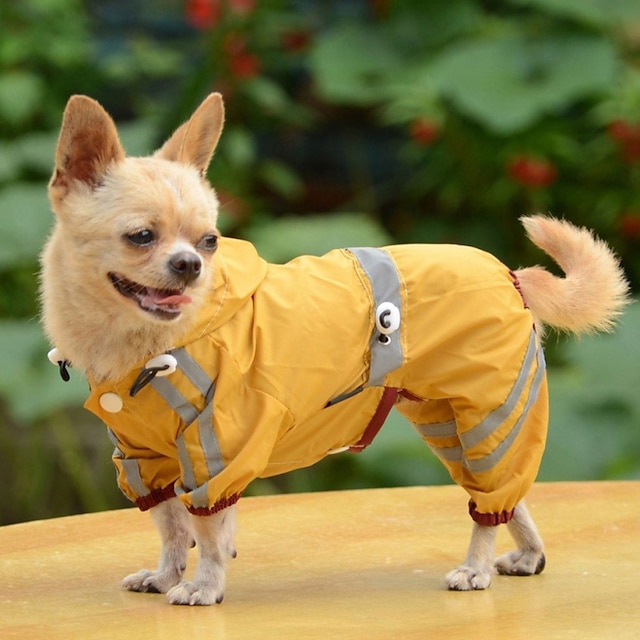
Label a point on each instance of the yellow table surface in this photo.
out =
(354, 564)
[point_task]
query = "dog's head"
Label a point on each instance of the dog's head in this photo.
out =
(136, 235)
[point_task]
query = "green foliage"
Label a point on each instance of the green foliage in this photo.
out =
(287, 237)
(349, 123)
(595, 407)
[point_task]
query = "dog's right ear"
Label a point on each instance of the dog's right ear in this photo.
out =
(87, 145)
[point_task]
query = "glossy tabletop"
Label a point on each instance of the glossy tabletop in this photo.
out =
(350, 565)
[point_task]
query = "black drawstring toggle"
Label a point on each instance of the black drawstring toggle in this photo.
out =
(145, 377)
(62, 367)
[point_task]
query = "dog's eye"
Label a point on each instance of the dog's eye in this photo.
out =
(142, 238)
(208, 243)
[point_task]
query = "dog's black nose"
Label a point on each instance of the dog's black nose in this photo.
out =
(186, 265)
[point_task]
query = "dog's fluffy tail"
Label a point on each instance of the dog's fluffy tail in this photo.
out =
(594, 290)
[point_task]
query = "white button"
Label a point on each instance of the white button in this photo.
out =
(387, 318)
(163, 360)
(55, 356)
(111, 402)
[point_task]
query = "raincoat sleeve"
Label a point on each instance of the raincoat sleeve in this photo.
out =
(144, 477)
(221, 454)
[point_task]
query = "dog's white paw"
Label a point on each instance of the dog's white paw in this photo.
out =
(146, 581)
(195, 593)
(466, 578)
(521, 563)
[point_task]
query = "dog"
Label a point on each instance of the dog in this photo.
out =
(211, 367)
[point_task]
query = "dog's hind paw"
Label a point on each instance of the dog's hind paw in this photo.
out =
(195, 593)
(146, 581)
(521, 563)
(466, 578)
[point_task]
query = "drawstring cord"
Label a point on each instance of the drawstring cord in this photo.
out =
(145, 377)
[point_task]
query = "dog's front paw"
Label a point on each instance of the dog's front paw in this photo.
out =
(466, 578)
(522, 562)
(146, 581)
(195, 593)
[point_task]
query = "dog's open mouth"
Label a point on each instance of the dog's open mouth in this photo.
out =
(165, 304)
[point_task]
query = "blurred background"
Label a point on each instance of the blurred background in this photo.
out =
(349, 122)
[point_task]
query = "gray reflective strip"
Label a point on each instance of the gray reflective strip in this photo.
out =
(188, 413)
(188, 475)
(489, 461)
(194, 372)
(385, 284)
(437, 429)
(130, 467)
(199, 497)
(209, 442)
(492, 459)
(175, 399)
(497, 417)
(451, 454)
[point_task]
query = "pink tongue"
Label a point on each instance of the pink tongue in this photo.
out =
(174, 299)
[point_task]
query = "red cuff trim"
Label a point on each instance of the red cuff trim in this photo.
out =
(489, 519)
(154, 498)
(218, 506)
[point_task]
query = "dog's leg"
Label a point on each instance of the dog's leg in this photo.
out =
(477, 570)
(529, 557)
(172, 521)
(215, 539)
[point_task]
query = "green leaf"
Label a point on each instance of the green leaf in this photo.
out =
(596, 12)
(238, 147)
(35, 151)
(21, 96)
(25, 218)
(351, 62)
(279, 177)
(595, 406)
(508, 82)
(288, 237)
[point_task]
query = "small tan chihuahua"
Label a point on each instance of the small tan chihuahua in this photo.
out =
(211, 367)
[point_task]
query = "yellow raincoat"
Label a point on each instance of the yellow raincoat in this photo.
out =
(288, 363)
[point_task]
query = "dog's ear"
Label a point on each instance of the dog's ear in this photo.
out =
(195, 141)
(87, 145)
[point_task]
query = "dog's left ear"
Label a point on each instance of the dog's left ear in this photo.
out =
(195, 141)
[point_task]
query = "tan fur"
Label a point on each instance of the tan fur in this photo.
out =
(165, 191)
(594, 291)
(101, 197)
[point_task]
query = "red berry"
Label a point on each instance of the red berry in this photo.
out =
(380, 7)
(532, 172)
(631, 150)
(618, 130)
(203, 14)
(424, 131)
(245, 65)
(630, 224)
(296, 40)
(234, 44)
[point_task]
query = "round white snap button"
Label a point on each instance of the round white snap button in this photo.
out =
(387, 318)
(55, 356)
(163, 360)
(111, 402)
